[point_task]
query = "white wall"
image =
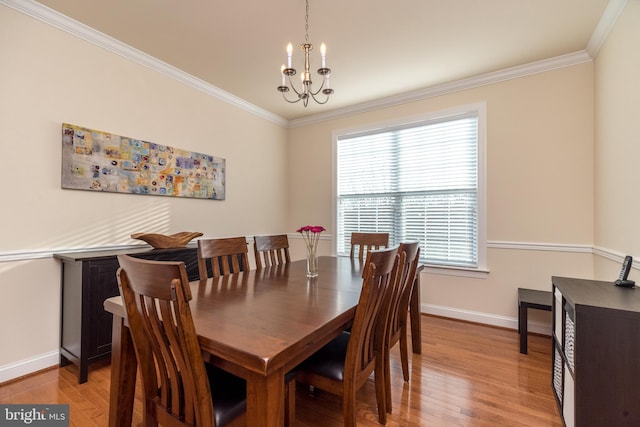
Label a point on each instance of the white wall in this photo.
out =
(48, 77)
(617, 143)
(539, 188)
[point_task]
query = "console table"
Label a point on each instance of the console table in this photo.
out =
(88, 278)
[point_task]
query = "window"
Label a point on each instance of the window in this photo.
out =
(419, 180)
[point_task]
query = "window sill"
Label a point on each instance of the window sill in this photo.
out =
(476, 273)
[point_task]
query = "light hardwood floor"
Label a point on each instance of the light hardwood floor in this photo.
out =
(467, 375)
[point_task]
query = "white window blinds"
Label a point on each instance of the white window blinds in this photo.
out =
(416, 182)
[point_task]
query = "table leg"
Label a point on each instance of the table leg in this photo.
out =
(123, 375)
(265, 400)
(414, 315)
(522, 327)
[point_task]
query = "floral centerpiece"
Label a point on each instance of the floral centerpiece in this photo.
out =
(311, 235)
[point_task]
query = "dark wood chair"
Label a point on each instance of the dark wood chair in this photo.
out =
(344, 365)
(398, 309)
(227, 256)
(364, 242)
(179, 388)
(271, 250)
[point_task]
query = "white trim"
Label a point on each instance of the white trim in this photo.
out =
(48, 253)
(481, 188)
(71, 26)
(482, 273)
(614, 256)
(29, 366)
(606, 23)
(88, 34)
(553, 247)
(474, 273)
(494, 244)
(484, 318)
(537, 67)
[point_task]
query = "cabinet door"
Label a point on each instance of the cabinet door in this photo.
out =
(101, 283)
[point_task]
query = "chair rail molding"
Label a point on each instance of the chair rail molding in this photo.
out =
(23, 255)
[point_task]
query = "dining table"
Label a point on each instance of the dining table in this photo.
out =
(257, 324)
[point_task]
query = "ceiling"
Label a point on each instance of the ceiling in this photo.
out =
(375, 48)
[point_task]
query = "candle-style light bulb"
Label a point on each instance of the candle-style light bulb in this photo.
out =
(323, 54)
(289, 52)
(282, 74)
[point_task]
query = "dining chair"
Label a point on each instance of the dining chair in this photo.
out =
(271, 250)
(344, 365)
(179, 388)
(365, 242)
(227, 256)
(398, 309)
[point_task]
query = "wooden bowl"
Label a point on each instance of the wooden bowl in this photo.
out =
(163, 241)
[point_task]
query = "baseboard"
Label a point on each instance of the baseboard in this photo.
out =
(484, 318)
(29, 366)
(47, 360)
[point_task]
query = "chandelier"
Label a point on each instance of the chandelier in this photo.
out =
(306, 91)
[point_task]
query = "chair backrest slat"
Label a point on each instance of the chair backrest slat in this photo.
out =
(227, 256)
(365, 242)
(271, 250)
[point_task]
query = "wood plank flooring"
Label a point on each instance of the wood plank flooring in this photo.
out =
(467, 375)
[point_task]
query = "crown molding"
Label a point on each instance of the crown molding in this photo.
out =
(542, 66)
(607, 21)
(88, 34)
(71, 26)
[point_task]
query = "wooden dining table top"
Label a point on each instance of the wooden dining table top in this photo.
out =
(263, 318)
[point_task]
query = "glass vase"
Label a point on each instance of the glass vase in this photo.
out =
(312, 261)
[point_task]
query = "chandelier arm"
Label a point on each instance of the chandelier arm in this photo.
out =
(324, 80)
(290, 101)
(294, 88)
(326, 99)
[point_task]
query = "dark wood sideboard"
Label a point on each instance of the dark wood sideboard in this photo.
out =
(596, 352)
(88, 278)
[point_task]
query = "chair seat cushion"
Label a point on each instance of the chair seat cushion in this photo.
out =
(329, 360)
(229, 394)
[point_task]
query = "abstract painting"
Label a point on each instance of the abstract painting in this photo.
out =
(100, 161)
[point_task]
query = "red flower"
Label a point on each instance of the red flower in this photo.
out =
(311, 228)
(311, 235)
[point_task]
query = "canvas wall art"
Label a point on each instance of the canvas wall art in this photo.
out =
(99, 161)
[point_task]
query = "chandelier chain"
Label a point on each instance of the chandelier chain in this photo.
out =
(306, 25)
